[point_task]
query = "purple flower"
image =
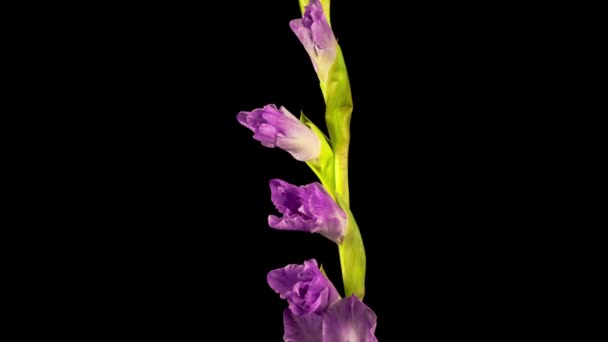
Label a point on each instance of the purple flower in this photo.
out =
(318, 39)
(307, 208)
(304, 287)
(278, 127)
(316, 313)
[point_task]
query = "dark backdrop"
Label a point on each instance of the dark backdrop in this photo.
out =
(178, 228)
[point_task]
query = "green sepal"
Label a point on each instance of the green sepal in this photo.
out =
(323, 165)
(323, 271)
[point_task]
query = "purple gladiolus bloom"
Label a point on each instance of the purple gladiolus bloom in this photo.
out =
(304, 287)
(316, 313)
(307, 208)
(278, 127)
(318, 39)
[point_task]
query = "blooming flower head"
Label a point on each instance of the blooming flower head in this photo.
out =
(304, 287)
(318, 39)
(278, 127)
(306, 208)
(316, 313)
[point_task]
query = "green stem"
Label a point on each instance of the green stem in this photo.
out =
(353, 260)
(341, 174)
(339, 107)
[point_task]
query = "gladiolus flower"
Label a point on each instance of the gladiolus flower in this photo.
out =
(278, 127)
(307, 208)
(318, 39)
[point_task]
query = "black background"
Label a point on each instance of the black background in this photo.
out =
(173, 196)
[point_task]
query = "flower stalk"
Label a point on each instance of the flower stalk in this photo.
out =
(316, 311)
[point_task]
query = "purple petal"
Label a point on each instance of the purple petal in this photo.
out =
(285, 196)
(349, 320)
(295, 223)
(302, 328)
(322, 35)
(266, 134)
(283, 279)
(322, 206)
(251, 119)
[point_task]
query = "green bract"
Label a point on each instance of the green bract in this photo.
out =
(323, 167)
